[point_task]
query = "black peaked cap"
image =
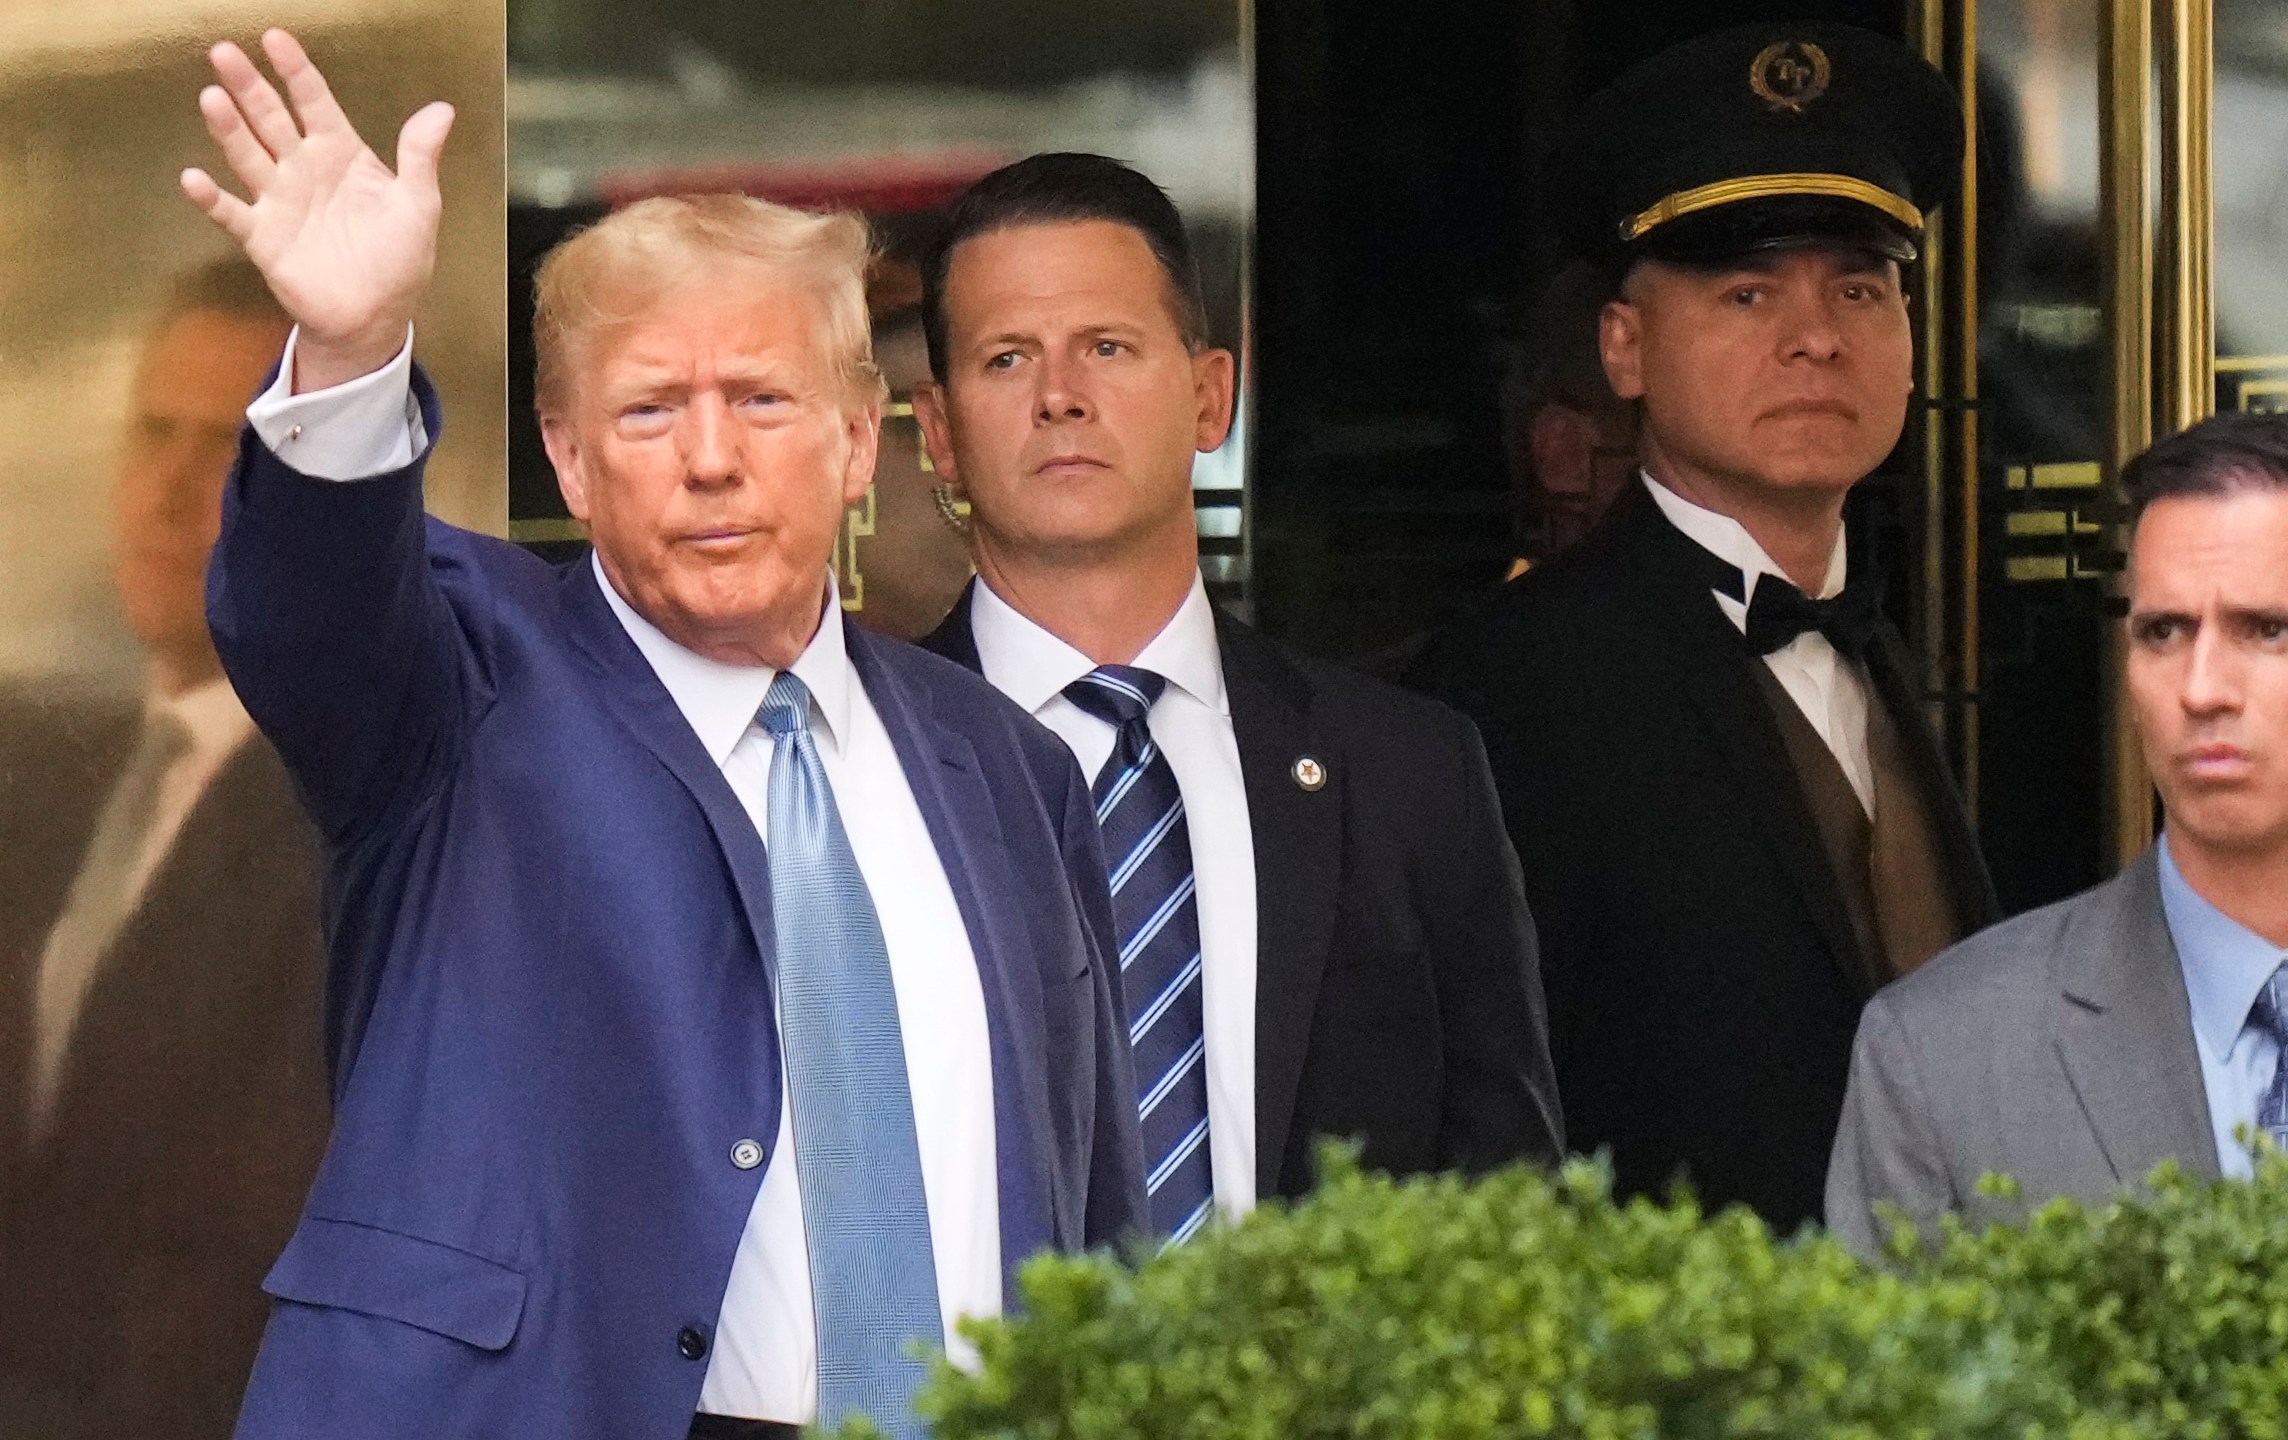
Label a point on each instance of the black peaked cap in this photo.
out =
(1764, 135)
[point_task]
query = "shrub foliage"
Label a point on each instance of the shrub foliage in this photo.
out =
(1527, 1304)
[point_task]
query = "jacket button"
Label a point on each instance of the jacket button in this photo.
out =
(746, 1155)
(691, 1343)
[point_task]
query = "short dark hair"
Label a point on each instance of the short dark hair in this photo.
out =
(230, 286)
(2238, 450)
(1064, 186)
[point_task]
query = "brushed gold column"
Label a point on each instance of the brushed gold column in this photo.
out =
(1965, 234)
(1948, 351)
(2185, 257)
(1929, 26)
(2125, 188)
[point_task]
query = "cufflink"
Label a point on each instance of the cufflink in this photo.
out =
(746, 1155)
(1310, 774)
(295, 433)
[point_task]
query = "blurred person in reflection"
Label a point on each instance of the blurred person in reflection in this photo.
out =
(1734, 823)
(1570, 441)
(642, 1132)
(915, 563)
(1322, 927)
(160, 959)
(2076, 1047)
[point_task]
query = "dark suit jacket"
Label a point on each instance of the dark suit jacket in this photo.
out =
(1703, 977)
(1398, 996)
(192, 1112)
(550, 1001)
(2056, 1048)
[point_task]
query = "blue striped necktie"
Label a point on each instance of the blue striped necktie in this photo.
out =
(873, 1277)
(1149, 849)
(2270, 1014)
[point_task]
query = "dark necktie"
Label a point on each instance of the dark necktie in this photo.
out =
(1148, 851)
(873, 1275)
(1780, 612)
(2270, 1014)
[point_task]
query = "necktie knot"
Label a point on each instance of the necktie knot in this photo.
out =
(1119, 695)
(786, 707)
(2270, 1012)
(1780, 612)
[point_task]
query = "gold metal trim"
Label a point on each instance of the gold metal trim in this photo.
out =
(1964, 224)
(2125, 193)
(2240, 364)
(1790, 75)
(1761, 187)
(2186, 255)
(1929, 24)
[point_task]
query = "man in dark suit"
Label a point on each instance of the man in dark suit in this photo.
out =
(2077, 1047)
(165, 1097)
(1733, 824)
(1323, 930)
(721, 997)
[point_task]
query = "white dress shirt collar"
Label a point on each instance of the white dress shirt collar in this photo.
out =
(721, 700)
(2225, 962)
(1728, 540)
(1030, 665)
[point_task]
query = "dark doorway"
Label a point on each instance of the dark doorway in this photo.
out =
(1398, 228)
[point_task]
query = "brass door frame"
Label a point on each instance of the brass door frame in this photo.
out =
(1947, 33)
(2157, 228)
(2159, 217)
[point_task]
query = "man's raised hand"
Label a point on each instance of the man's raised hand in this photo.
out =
(346, 245)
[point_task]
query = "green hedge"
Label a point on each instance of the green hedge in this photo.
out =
(1528, 1305)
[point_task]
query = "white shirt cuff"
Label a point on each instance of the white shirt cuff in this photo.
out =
(361, 428)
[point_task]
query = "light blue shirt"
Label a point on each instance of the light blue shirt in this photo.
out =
(2226, 964)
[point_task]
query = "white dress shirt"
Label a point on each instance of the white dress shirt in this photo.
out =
(2225, 964)
(1192, 724)
(213, 726)
(1828, 689)
(764, 1361)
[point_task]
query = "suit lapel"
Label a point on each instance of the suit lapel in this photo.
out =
(57, 767)
(159, 978)
(942, 769)
(627, 687)
(2125, 1031)
(1298, 839)
(1686, 637)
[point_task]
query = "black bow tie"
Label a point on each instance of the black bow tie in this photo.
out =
(1780, 613)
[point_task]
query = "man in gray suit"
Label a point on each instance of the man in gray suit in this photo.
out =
(2076, 1047)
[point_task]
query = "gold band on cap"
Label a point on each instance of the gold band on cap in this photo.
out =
(1760, 187)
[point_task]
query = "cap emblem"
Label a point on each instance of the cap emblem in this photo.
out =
(1790, 75)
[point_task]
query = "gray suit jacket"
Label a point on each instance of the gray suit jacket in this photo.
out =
(2056, 1048)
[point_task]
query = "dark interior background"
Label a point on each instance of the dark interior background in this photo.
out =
(1396, 216)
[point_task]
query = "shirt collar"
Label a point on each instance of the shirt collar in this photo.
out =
(720, 701)
(1729, 541)
(2225, 962)
(1031, 665)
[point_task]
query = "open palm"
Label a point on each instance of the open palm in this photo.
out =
(347, 245)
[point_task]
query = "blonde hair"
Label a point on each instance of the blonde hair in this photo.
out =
(608, 274)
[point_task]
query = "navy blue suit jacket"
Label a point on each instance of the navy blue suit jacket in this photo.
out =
(549, 1015)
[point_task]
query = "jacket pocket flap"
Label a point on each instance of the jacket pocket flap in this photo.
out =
(449, 1292)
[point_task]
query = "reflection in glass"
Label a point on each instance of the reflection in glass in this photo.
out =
(2252, 204)
(163, 1099)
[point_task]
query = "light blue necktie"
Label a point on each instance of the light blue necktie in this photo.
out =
(2270, 1014)
(873, 1278)
(1148, 848)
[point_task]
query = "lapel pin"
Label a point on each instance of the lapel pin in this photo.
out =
(1310, 774)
